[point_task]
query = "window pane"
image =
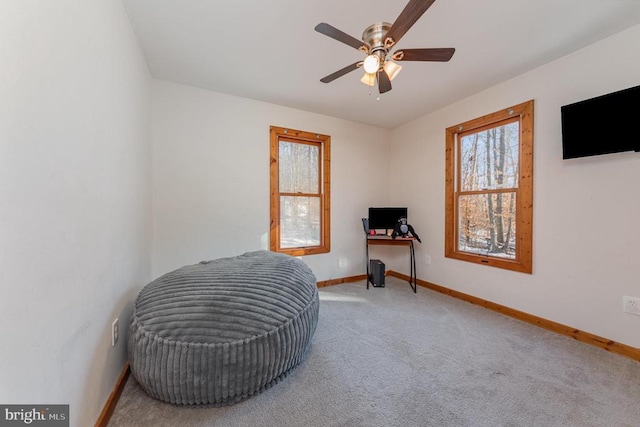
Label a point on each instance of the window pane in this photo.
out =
(487, 224)
(489, 159)
(299, 221)
(299, 165)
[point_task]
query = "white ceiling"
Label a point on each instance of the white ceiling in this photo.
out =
(269, 51)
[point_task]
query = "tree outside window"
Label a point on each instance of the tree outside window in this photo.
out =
(299, 192)
(489, 187)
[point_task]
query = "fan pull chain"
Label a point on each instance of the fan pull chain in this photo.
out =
(377, 97)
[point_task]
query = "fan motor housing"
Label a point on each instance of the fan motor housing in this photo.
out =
(373, 36)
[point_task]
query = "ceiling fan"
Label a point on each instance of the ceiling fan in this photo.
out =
(377, 41)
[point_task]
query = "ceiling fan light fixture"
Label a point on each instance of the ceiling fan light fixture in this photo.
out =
(392, 69)
(377, 40)
(371, 64)
(369, 79)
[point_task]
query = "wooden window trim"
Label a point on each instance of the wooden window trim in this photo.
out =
(297, 136)
(523, 261)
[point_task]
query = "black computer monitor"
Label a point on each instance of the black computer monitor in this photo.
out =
(385, 218)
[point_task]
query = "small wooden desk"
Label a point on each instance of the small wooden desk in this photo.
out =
(398, 241)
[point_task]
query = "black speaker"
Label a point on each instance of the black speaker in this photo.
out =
(377, 273)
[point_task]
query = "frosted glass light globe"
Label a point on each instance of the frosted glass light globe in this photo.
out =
(371, 64)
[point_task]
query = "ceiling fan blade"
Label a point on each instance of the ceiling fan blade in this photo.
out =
(442, 54)
(384, 84)
(336, 34)
(409, 15)
(342, 72)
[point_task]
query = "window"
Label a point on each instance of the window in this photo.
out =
(300, 184)
(489, 189)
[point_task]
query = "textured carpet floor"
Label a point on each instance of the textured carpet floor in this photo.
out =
(389, 357)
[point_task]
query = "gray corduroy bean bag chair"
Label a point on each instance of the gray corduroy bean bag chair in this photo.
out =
(220, 331)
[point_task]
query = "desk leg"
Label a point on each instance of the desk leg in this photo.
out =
(413, 279)
(366, 242)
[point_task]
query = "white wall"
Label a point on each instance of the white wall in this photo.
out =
(74, 198)
(586, 234)
(211, 178)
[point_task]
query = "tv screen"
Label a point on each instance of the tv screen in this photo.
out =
(385, 218)
(601, 125)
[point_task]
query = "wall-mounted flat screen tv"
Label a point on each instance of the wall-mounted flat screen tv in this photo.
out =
(602, 125)
(385, 218)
